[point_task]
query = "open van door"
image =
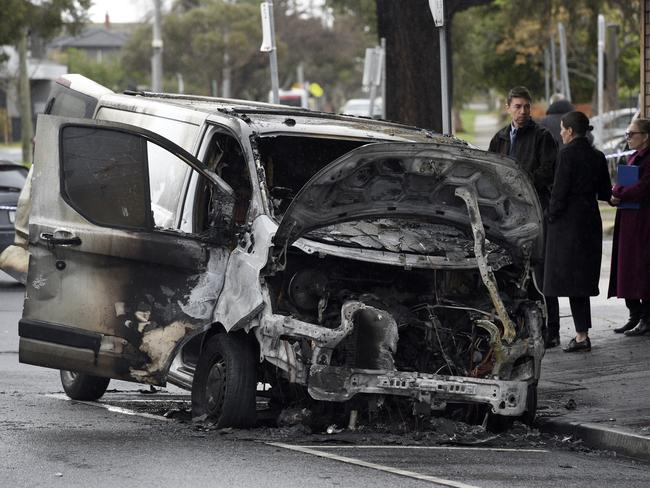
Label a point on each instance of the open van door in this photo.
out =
(110, 279)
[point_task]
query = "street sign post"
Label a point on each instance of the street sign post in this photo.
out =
(373, 70)
(437, 8)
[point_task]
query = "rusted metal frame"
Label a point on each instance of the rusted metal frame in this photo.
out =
(505, 397)
(487, 275)
(273, 327)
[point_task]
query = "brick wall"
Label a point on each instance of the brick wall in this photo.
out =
(645, 58)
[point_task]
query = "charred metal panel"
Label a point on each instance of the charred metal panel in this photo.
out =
(376, 339)
(415, 244)
(242, 296)
(346, 127)
(134, 288)
(418, 181)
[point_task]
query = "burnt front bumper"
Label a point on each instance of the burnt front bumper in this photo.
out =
(333, 383)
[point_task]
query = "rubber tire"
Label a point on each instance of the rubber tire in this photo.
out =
(79, 386)
(225, 382)
(528, 417)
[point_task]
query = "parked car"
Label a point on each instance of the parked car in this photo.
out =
(611, 125)
(223, 245)
(616, 151)
(12, 180)
(361, 107)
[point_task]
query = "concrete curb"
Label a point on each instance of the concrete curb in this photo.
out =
(598, 437)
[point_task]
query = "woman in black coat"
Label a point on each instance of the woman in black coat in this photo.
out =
(575, 236)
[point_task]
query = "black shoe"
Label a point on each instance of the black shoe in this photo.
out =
(575, 346)
(552, 341)
(642, 328)
(631, 324)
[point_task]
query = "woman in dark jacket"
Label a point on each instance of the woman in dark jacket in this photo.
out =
(630, 272)
(575, 236)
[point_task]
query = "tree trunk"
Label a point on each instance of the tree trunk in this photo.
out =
(25, 100)
(412, 63)
(413, 59)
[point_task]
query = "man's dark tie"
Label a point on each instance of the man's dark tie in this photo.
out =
(513, 140)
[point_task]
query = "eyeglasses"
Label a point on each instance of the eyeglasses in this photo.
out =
(629, 134)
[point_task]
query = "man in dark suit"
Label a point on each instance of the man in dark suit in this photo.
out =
(535, 150)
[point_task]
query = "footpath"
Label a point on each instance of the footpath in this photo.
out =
(601, 397)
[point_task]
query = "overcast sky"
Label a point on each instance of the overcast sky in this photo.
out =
(136, 10)
(120, 10)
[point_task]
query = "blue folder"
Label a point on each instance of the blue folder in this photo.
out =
(628, 175)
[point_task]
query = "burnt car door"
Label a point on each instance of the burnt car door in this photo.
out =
(110, 284)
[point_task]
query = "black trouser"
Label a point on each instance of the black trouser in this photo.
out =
(553, 310)
(638, 308)
(581, 312)
(552, 304)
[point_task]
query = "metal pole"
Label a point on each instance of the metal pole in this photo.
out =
(275, 86)
(564, 70)
(611, 67)
(25, 99)
(554, 66)
(157, 45)
(225, 71)
(601, 63)
(547, 76)
(601, 76)
(383, 78)
(444, 82)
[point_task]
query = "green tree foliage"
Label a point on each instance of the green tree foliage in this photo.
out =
(195, 39)
(505, 42)
(44, 18)
(365, 11)
(21, 19)
(109, 72)
(197, 34)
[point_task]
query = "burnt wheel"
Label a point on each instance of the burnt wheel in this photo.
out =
(531, 405)
(79, 386)
(224, 385)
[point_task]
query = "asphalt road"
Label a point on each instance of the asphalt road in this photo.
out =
(125, 440)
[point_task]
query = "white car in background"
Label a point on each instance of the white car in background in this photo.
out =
(361, 107)
(611, 125)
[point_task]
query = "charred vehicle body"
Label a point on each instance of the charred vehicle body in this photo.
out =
(221, 245)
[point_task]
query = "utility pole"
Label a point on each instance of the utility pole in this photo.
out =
(564, 69)
(268, 46)
(547, 75)
(225, 72)
(611, 67)
(157, 45)
(601, 73)
(555, 82)
(25, 99)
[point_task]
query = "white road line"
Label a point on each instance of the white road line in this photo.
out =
(431, 448)
(152, 400)
(110, 408)
(378, 467)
